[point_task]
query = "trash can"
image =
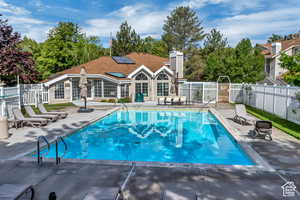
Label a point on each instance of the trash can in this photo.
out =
(139, 97)
(3, 128)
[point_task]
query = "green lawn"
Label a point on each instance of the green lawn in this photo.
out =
(282, 124)
(50, 107)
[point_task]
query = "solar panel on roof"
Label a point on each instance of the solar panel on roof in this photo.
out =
(123, 60)
(116, 74)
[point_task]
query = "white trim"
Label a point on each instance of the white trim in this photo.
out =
(65, 76)
(276, 55)
(142, 67)
(163, 68)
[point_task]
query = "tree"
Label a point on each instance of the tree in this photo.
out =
(154, 47)
(292, 64)
(242, 64)
(66, 46)
(182, 29)
(14, 61)
(126, 41)
(213, 41)
(275, 38)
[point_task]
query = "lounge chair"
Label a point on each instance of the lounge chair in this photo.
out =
(35, 122)
(176, 100)
(161, 100)
(169, 100)
(241, 115)
(262, 129)
(16, 191)
(32, 114)
(183, 100)
(43, 110)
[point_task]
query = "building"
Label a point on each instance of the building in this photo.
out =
(272, 54)
(118, 77)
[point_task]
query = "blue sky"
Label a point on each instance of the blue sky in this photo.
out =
(236, 19)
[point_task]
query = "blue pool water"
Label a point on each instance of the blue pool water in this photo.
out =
(157, 136)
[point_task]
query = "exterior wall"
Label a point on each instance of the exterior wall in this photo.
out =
(67, 93)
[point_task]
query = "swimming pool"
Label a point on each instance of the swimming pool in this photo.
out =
(156, 136)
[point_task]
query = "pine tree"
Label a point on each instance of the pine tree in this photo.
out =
(182, 29)
(213, 41)
(126, 41)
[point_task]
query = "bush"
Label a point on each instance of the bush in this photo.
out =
(124, 100)
(103, 100)
(111, 101)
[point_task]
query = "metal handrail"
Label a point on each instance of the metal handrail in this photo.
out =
(40, 158)
(58, 158)
(124, 105)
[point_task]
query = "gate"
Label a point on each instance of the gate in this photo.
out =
(223, 92)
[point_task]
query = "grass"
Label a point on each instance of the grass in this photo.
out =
(49, 107)
(288, 127)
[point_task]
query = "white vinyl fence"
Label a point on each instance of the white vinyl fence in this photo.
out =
(15, 97)
(199, 92)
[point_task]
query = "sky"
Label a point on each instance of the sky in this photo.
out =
(236, 19)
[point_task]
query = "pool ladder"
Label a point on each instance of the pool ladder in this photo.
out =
(124, 106)
(57, 157)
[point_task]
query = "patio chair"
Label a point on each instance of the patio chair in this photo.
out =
(161, 100)
(262, 129)
(12, 121)
(183, 100)
(16, 191)
(169, 100)
(32, 114)
(43, 110)
(241, 115)
(34, 122)
(176, 100)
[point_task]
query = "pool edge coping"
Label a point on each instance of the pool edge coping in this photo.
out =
(260, 162)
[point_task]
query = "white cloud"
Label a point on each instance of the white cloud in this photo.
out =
(9, 8)
(23, 20)
(280, 21)
(141, 17)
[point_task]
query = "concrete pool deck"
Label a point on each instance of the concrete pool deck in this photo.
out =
(73, 180)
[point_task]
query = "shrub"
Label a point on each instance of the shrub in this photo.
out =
(124, 100)
(111, 101)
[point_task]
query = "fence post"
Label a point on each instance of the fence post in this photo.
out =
(274, 94)
(203, 93)
(2, 101)
(190, 93)
(19, 96)
(264, 101)
(287, 103)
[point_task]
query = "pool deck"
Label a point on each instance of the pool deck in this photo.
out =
(74, 180)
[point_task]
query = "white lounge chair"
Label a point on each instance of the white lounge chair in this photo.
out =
(176, 100)
(32, 114)
(169, 100)
(43, 110)
(35, 122)
(183, 100)
(241, 115)
(161, 100)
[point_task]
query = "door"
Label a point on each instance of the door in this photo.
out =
(223, 93)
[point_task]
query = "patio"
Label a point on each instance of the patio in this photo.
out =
(150, 182)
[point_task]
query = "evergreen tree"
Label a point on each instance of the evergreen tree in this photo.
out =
(13, 61)
(126, 41)
(275, 38)
(182, 29)
(213, 41)
(154, 47)
(242, 64)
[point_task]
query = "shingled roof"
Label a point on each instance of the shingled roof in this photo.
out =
(106, 64)
(285, 44)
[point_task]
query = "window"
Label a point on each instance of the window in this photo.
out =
(75, 89)
(110, 89)
(162, 76)
(141, 76)
(124, 90)
(162, 89)
(59, 91)
(98, 88)
(89, 89)
(141, 88)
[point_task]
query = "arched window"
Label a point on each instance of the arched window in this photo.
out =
(141, 76)
(141, 85)
(162, 84)
(162, 76)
